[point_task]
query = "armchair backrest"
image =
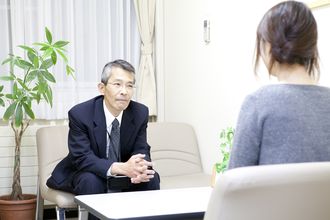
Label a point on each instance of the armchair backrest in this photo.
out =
(287, 191)
(52, 145)
(174, 148)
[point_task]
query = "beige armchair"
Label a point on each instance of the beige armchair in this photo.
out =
(175, 152)
(288, 192)
(52, 148)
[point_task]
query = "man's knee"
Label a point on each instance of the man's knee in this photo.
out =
(88, 183)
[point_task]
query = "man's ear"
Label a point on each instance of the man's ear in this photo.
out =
(101, 88)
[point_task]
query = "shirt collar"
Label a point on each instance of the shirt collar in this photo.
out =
(109, 117)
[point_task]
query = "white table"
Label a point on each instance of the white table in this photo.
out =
(159, 204)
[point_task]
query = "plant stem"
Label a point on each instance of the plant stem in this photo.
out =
(16, 193)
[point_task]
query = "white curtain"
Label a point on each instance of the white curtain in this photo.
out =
(146, 90)
(98, 31)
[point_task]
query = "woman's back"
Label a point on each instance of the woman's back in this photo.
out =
(283, 123)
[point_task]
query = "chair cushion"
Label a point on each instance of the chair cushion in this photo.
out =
(61, 198)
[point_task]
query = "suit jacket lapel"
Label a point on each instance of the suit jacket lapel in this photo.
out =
(100, 127)
(127, 127)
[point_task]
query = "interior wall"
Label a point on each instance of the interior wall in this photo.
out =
(205, 84)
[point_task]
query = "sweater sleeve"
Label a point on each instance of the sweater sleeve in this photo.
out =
(247, 137)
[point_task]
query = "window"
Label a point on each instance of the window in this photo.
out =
(98, 31)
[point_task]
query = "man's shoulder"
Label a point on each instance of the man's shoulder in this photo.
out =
(137, 112)
(137, 107)
(88, 105)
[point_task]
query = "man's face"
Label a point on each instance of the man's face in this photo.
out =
(118, 91)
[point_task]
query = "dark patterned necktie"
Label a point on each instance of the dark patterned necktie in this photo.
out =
(115, 138)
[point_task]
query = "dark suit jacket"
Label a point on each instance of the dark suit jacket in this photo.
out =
(87, 141)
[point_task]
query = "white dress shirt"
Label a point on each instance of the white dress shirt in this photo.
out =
(109, 119)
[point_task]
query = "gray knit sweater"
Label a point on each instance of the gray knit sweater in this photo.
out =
(283, 123)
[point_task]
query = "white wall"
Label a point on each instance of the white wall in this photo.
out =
(205, 84)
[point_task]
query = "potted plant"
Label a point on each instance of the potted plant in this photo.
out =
(226, 144)
(30, 78)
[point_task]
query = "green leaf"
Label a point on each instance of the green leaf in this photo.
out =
(69, 71)
(41, 79)
(42, 44)
(28, 111)
(10, 96)
(45, 97)
(49, 94)
(226, 142)
(31, 56)
(60, 43)
(47, 52)
(15, 89)
(49, 76)
(31, 75)
(29, 49)
(18, 115)
(218, 167)
(36, 62)
(2, 103)
(46, 64)
(23, 84)
(25, 98)
(44, 48)
(36, 96)
(7, 60)
(34, 59)
(24, 64)
(62, 55)
(48, 35)
(61, 49)
(54, 57)
(1, 88)
(36, 87)
(7, 78)
(10, 111)
(42, 87)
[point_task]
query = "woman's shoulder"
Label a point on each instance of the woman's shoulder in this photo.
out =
(269, 89)
(273, 94)
(264, 92)
(282, 89)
